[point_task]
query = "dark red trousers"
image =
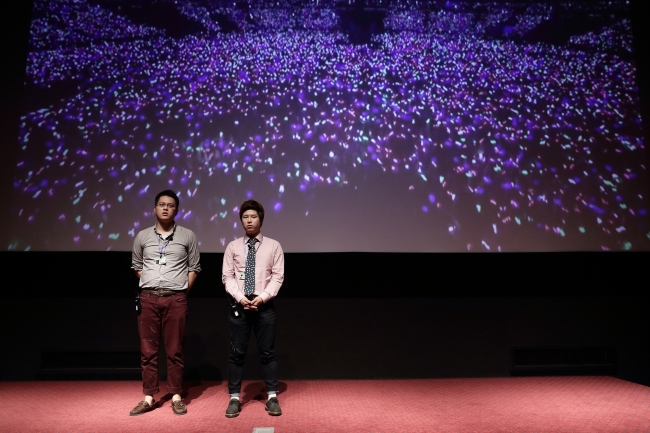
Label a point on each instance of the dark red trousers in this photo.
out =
(166, 316)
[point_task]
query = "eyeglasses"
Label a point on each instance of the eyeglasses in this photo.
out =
(166, 205)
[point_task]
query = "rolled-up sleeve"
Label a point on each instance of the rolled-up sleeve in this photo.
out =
(137, 255)
(193, 254)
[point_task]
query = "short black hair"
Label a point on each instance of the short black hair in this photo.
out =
(252, 205)
(167, 193)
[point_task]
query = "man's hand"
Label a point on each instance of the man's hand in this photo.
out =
(245, 303)
(251, 305)
(255, 303)
(191, 278)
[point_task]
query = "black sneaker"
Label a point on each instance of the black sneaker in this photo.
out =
(234, 407)
(273, 407)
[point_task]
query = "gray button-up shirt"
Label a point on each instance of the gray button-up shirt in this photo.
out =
(180, 253)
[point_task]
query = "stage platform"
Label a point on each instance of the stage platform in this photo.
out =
(530, 404)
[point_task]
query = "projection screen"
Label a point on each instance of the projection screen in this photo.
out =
(376, 126)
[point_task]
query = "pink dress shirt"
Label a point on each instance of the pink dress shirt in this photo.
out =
(269, 268)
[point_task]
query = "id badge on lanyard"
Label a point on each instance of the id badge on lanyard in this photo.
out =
(161, 251)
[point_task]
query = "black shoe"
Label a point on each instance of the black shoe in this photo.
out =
(273, 407)
(234, 407)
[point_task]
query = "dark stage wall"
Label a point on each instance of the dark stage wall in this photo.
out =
(461, 320)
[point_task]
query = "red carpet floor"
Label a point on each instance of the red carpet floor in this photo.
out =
(549, 404)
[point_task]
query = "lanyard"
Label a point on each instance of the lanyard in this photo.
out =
(161, 248)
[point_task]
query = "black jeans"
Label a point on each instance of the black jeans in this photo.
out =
(262, 323)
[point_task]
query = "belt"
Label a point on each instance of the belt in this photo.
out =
(162, 292)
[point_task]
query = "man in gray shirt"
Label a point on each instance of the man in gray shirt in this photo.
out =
(166, 260)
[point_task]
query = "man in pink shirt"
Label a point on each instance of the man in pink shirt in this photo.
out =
(253, 271)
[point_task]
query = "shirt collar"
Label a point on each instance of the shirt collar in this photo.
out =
(259, 238)
(169, 236)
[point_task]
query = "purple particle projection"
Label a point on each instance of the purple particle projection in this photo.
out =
(437, 110)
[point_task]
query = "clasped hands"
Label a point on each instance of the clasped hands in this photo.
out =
(251, 305)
